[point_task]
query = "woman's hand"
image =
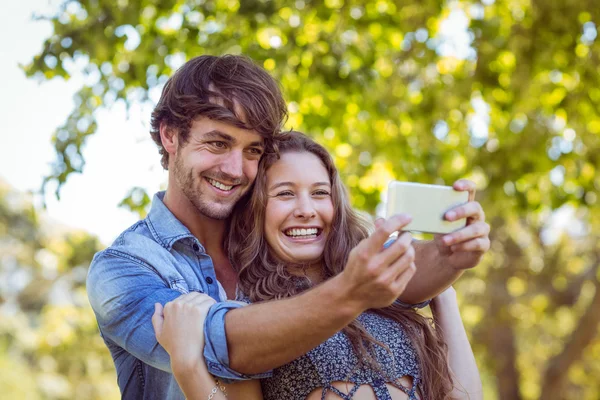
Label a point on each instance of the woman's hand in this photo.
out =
(179, 328)
(464, 248)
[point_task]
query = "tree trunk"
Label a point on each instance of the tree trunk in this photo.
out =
(502, 344)
(555, 377)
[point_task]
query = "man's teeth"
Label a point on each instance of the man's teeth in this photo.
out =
(219, 185)
(310, 232)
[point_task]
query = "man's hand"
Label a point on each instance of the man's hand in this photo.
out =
(464, 248)
(376, 276)
(179, 328)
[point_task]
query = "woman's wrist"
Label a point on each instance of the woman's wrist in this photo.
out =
(188, 367)
(444, 300)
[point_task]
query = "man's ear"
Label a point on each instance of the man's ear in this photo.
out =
(169, 138)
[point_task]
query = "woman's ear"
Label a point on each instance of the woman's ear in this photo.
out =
(169, 138)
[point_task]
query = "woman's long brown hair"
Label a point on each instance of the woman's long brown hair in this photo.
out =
(263, 276)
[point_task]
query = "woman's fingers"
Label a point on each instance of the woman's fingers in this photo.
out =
(463, 185)
(471, 210)
(478, 245)
(202, 302)
(158, 320)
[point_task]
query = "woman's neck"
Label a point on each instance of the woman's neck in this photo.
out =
(314, 272)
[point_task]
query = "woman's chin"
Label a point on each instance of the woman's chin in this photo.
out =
(304, 255)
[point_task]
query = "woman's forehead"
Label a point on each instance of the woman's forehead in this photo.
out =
(298, 167)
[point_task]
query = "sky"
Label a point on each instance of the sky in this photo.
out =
(119, 156)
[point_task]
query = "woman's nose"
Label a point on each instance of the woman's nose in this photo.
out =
(304, 209)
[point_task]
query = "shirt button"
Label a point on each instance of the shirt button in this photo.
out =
(209, 280)
(196, 247)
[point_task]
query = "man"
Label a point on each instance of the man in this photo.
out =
(215, 118)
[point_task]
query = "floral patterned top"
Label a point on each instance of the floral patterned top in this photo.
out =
(335, 360)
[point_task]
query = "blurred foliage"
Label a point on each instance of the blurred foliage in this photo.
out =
(49, 342)
(505, 92)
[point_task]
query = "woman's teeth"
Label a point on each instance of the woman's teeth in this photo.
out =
(308, 233)
(219, 185)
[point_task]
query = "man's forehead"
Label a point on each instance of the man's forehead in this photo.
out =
(238, 109)
(213, 129)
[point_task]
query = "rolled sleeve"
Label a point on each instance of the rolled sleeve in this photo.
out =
(216, 353)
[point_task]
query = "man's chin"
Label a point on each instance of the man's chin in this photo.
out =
(215, 210)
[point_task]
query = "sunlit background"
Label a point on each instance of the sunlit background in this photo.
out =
(504, 92)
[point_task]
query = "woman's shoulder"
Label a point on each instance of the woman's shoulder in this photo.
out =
(241, 296)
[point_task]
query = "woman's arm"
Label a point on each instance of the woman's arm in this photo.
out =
(467, 382)
(185, 343)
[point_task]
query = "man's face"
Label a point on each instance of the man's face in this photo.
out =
(217, 165)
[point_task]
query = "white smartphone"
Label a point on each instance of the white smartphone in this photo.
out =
(426, 204)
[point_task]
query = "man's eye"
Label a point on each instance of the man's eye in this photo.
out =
(219, 145)
(255, 151)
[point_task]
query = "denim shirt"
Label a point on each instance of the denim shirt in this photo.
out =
(155, 261)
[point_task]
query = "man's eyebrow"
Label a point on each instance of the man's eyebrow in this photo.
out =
(217, 134)
(257, 144)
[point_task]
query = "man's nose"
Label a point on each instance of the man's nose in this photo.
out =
(233, 165)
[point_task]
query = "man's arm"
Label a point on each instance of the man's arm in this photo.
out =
(123, 290)
(443, 260)
(267, 335)
(122, 293)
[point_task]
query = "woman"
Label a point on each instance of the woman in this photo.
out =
(294, 232)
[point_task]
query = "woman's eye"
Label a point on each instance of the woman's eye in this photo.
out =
(321, 193)
(287, 193)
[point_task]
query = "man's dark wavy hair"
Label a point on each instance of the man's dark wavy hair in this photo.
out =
(230, 89)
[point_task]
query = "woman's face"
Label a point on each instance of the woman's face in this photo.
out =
(299, 208)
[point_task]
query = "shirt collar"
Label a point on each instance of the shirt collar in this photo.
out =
(165, 227)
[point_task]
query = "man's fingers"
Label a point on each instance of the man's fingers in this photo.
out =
(158, 319)
(375, 242)
(404, 277)
(477, 230)
(478, 245)
(471, 210)
(401, 246)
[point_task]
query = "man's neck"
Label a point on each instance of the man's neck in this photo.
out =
(209, 231)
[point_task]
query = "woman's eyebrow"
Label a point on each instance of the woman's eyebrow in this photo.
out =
(279, 184)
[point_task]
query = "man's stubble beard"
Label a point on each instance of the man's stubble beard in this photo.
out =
(190, 188)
